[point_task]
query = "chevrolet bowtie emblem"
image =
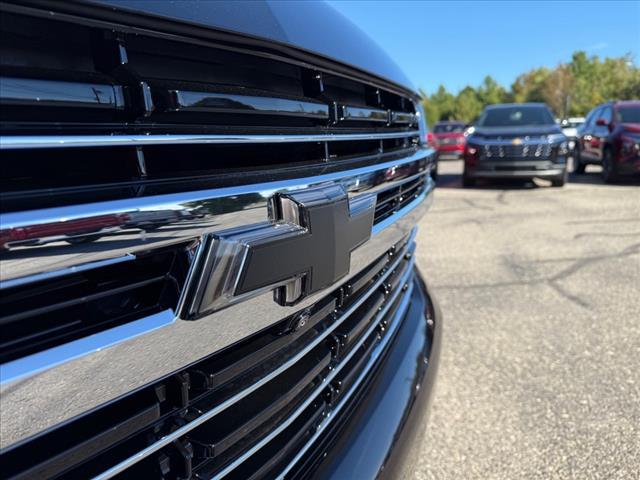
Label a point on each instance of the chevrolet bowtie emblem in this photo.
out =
(305, 247)
(516, 141)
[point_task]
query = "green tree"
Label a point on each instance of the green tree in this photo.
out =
(439, 106)
(467, 105)
(557, 89)
(490, 91)
(570, 89)
(529, 86)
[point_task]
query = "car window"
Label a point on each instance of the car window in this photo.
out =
(591, 118)
(448, 128)
(629, 114)
(606, 114)
(515, 116)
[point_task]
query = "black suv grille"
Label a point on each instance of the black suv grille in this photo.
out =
(537, 151)
(268, 393)
(64, 78)
(123, 148)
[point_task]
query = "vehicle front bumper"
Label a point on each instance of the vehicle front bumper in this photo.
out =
(380, 434)
(517, 169)
(451, 153)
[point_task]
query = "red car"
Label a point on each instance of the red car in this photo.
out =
(611, 137)
(449, 139)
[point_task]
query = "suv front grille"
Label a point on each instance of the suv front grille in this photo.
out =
(536, 151)
(126, 149)
(226, 113)
(54, 311)
(267, 394)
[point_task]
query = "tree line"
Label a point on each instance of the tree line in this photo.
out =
(569, 89)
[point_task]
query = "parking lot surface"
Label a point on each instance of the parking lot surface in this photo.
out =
(540, 365)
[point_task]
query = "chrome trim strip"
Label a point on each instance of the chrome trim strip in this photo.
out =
(363, 114)
(38, 362)
(189, 101)
(393, 326)
(53, 93)
(180, 216)
(402, 118)
(401, 308)
(129, 365)
(83, 267)
(123, 465)
(67, 141)
(425, 195)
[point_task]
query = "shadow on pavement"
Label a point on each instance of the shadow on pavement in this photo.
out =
(449, 180)
(595, 178)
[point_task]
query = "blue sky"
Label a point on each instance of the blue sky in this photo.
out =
(459, 43)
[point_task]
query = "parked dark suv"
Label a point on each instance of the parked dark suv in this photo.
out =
(516, 141)
(611, 137)
(208, 234)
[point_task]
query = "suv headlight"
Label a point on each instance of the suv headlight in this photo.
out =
(563, 148)
(422, 124)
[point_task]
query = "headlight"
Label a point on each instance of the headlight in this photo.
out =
(629, 146)
(422, 124)
(563, 148)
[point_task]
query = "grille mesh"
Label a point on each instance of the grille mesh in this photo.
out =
(311, 361)
(246, 410)
(539, 151)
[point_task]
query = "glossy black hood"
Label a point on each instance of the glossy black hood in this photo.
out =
(307, 25)
(520, 131)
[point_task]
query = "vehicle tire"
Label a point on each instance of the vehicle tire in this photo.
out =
(468, 181)
(578, 166)
(434, 172)
(560, 180)
(609, 173)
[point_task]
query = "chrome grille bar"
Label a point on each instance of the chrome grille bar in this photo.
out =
(70, 141)
(379, 348)
(369, 179)
(401, 309)
(167, 439)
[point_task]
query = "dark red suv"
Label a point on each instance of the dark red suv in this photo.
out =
(611, 137)
(449, 139)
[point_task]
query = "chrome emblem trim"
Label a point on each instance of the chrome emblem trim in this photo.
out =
(304, 247)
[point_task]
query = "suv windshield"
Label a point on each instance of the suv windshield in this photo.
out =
(516, 116)
(448, 128)
(629, 114)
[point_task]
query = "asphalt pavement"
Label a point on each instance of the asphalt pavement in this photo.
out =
(540, 365)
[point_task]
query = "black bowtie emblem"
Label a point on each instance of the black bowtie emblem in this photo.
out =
(304, 248)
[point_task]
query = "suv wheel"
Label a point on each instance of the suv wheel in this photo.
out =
(468, 181)
(609, 173)
(561, 179)
(578, 166)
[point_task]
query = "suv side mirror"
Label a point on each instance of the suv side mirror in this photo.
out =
(602, 122)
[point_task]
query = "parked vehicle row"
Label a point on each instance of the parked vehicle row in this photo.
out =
(525, 141)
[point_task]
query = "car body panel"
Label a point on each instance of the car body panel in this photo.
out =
(99, 372)
(378, 438)
(313, 26)
(605, 130)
